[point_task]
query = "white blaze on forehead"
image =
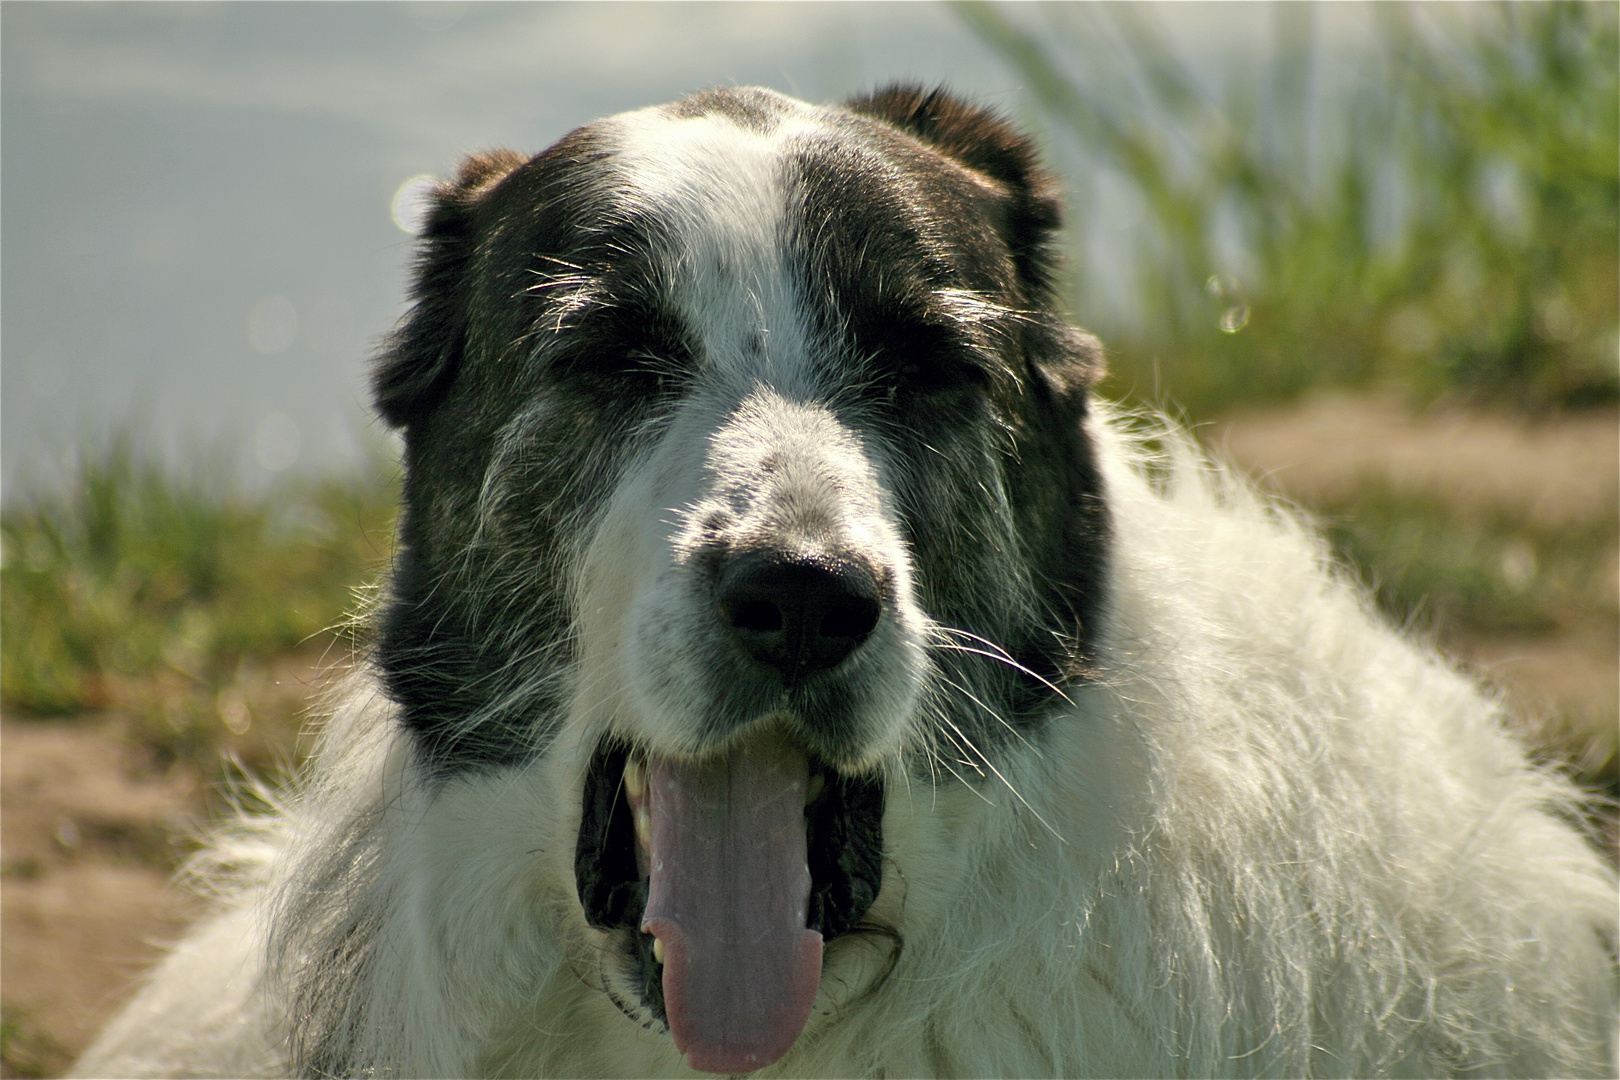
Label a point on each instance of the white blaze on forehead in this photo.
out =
(721, 194)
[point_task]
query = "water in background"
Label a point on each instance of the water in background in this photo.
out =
(202, 236)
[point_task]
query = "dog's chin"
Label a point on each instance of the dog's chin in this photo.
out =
(842, 840)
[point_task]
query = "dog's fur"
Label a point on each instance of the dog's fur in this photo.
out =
(1158, 794)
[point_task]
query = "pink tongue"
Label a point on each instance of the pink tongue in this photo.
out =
(727, 896)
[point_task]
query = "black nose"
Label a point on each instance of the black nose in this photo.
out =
(798, 616)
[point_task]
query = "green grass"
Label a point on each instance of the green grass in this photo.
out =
(1494, 572)
(28, 1051)
(135, 589)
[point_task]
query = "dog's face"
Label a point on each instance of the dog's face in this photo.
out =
(743, 447)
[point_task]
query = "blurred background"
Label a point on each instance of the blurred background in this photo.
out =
(1368, 251)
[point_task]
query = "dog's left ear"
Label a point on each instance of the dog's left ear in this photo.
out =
(420, 359)
(983, 141)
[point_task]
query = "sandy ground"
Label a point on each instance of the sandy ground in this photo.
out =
(88, 830)
(1558, 472)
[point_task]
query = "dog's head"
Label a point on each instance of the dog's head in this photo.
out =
(743, 442)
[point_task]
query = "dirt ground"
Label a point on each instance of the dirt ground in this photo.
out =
(84, 898)
(1557, 471)
(90, 830)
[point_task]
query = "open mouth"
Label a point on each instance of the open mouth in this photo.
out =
(726, 877)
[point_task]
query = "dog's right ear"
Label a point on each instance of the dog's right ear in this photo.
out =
(418, 360)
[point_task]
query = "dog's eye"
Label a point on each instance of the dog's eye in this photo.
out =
(922, 362)
(621, 373)
(934, 372)
(617, 353)
(937, 375)
(653, 372)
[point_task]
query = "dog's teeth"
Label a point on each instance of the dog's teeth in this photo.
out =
(813, 791)
(658, 949)
(635, 778)
(643, 826)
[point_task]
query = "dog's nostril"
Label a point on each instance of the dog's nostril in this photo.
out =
(855, 619)
(755, 616)
(796, 615)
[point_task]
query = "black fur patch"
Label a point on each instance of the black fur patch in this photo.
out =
(879, 248)
(988, 144)
(475, 634)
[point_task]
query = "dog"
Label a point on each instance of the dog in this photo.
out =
(790, 666)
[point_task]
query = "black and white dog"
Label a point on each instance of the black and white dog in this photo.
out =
(789, 666)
